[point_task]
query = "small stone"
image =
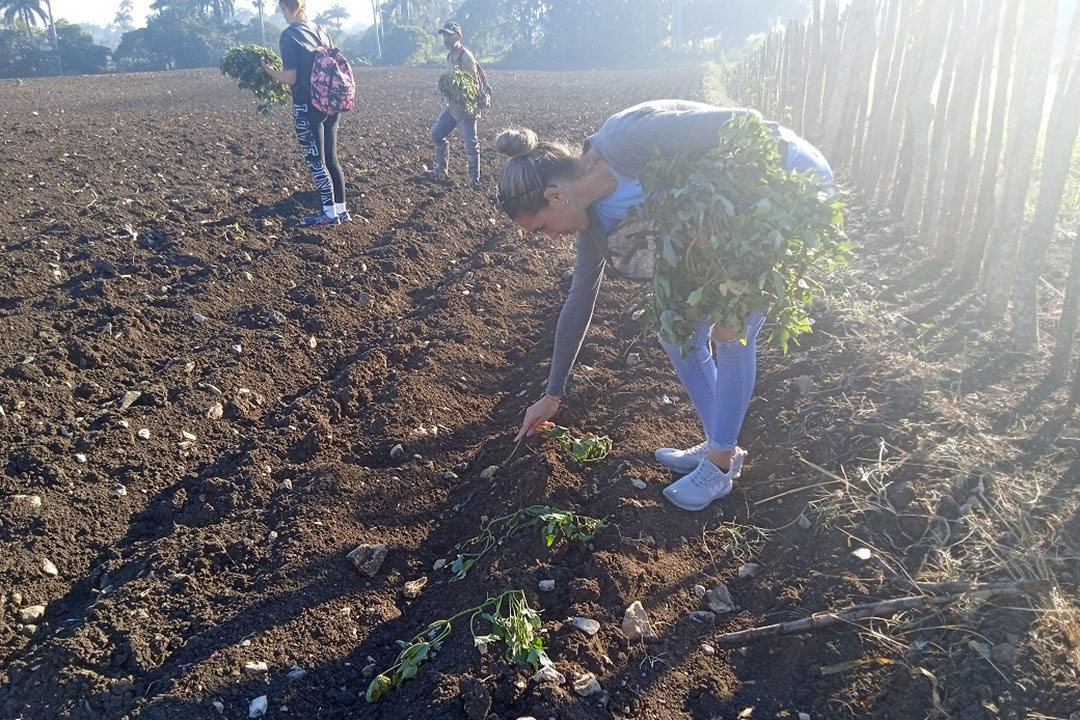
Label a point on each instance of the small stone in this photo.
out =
(33, 501)
(633, 359)
(439, 564)
(275, 318)
(123, 424)
(188, 436)
(805, 384)
(215, 412)
(749, 570)
(699, 591)
(638, 483)
(863, 554)
(708, 649)
(705, 617)
(236, 349)
(804, 716)
(286, 484)
(257, 708)
(636, 625)
(803, 522)
(29, 630)
(489, 472)
(546, 585)
(586, 685)
(548, 674)
(247, 276)
(219, 706)
(1004, 654)
(49, 568)
(369, 558)
(144, 433)
(369, 670)
(719, 600)
(586, 625)
(31, 614)
(16, 598)
(450, 475)
(198, 319)
(80, 458)
(296, 673)
(413, 588)
(255, 668)
(312, 343)
(119, 490)
(129, 398)
(396, 452)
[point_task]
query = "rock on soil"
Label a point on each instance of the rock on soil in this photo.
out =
(369, 558)
(587, 625)
(257, 708)
(586, 685)
(548, 674)
(31, 613)
(636, 625)
(719, 600)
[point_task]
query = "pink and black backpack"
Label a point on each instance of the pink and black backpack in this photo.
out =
(333, 89)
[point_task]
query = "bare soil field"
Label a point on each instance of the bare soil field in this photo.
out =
(200, 400)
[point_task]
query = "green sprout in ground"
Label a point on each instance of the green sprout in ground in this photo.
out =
(242, 65)
(511, 619)
(583, 448)
(554, 523)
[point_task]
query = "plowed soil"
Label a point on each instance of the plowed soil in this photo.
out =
(154, 278)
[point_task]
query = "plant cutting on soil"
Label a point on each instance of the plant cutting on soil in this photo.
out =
(583, 448)
(556, 523)
(511, 619)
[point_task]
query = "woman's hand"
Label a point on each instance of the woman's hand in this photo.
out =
(539, 412)
(264, 66)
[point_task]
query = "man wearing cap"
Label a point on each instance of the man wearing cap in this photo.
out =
(455, 114)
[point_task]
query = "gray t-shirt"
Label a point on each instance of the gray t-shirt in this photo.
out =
(626, 142)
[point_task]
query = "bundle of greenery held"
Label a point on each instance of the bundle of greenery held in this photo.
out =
(460, 87)
(735, 233)
(242, 64)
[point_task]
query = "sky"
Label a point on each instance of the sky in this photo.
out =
(101, 12)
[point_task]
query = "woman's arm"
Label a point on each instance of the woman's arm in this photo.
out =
(569, 331)
(287, 77)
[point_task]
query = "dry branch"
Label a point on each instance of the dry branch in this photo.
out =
(879, 609)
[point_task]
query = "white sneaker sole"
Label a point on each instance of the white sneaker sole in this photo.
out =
(697, 507)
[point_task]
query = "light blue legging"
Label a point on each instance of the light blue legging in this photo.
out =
(720, 387)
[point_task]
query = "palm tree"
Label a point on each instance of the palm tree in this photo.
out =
(124, 18)
(333, 17)
(23, 12)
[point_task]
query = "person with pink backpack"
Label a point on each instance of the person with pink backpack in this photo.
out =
(322, 87)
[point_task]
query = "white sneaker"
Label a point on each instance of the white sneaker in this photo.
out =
(705, 484)
(682, 461)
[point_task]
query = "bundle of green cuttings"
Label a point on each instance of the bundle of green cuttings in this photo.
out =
(554, 523)
(735, 233)
(459, 87)
(583, 448)
(511, 621)
(242, 64)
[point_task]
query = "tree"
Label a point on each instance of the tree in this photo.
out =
(333, 17)
(124, 19)
(24, 12)
(78, 52)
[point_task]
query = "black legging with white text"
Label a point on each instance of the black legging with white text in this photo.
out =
(317, 134)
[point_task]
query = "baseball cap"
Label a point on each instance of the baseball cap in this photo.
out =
(451, 27)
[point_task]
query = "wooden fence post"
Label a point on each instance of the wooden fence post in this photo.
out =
(1057, 159)
(1025, 121)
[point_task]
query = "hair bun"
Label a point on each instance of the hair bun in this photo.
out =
(516, 142)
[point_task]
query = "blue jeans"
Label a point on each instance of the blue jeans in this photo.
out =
(720, 385)
(466, 127)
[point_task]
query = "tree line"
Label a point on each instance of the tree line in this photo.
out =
(522, 33)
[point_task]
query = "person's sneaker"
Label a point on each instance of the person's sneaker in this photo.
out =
(705, 484)
(344, 217)
(682, 461)
(320, 219)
